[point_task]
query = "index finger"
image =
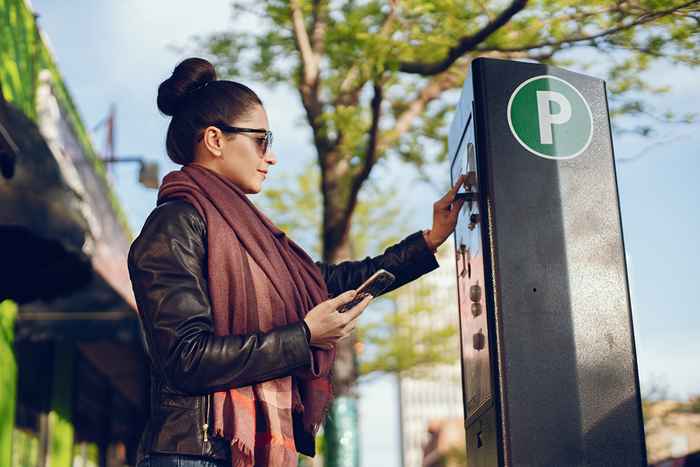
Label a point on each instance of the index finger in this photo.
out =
(343, 298)
(449, 196)
(357, 310)
(458, 183)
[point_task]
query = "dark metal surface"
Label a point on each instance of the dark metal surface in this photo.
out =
(565, 377)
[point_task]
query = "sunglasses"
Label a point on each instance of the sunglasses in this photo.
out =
(265, 142)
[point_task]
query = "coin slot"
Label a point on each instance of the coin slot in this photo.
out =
(475, 293)
(478, 340)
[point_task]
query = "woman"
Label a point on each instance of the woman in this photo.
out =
(239, 324)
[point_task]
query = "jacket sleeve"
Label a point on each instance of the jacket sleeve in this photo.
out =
(407, 260)
(167, 265)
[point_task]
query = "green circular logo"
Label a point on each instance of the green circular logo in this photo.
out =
(550, 118)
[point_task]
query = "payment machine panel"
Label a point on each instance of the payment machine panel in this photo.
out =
(470, 278)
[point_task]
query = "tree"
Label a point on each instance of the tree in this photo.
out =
(374, 78)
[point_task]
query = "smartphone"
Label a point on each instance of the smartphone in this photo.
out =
(375, 285)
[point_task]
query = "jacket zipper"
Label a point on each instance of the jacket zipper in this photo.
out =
(205, 425)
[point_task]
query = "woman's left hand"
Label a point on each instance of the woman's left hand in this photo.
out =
(445, 212)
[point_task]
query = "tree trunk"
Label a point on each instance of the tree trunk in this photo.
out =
(341, 428)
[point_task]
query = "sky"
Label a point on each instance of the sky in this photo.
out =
(119, 52)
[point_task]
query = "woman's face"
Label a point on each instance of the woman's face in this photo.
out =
(238, 156)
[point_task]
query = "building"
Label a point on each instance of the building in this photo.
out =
(672, 429)
(445, 446)
(434, 393)
(74, 373)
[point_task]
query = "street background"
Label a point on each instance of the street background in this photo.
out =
(118, 52)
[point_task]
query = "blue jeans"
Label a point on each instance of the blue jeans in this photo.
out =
(176, 460)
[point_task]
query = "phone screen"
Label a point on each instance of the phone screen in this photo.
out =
(375, 285)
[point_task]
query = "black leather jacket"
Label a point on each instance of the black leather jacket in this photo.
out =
(167, 265)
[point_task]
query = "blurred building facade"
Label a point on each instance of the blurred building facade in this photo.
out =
(445, 446)
(435, 394)
(672, 429)
(74, 374)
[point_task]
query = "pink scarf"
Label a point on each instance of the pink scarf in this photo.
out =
(258, 279)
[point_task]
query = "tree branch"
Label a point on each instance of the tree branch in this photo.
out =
(348, 92)
(644, 18)
(371, 153)
(432, 90)
(308, 59)
(318, 27)
(309, 82)
(465, 44)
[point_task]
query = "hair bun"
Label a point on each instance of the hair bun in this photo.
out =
(187, 75)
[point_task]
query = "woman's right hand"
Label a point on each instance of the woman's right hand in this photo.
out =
(327, 326)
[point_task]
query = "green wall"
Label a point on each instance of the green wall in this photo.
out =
(8, 379)
(60, 418)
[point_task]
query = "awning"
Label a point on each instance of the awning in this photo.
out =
(58, 194)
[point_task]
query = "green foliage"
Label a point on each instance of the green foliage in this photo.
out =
(295, 207)
(692, 405)
(455, 456)
(8, 378)
(377, 219)
(25, 448)
(361, 43)
(404, 339)
(294, 204)
(60, 417)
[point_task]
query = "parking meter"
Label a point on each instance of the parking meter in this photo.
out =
(548, 358)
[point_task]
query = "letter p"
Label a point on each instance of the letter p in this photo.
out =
(546, 118)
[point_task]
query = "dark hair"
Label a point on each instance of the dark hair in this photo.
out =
(195, 99)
